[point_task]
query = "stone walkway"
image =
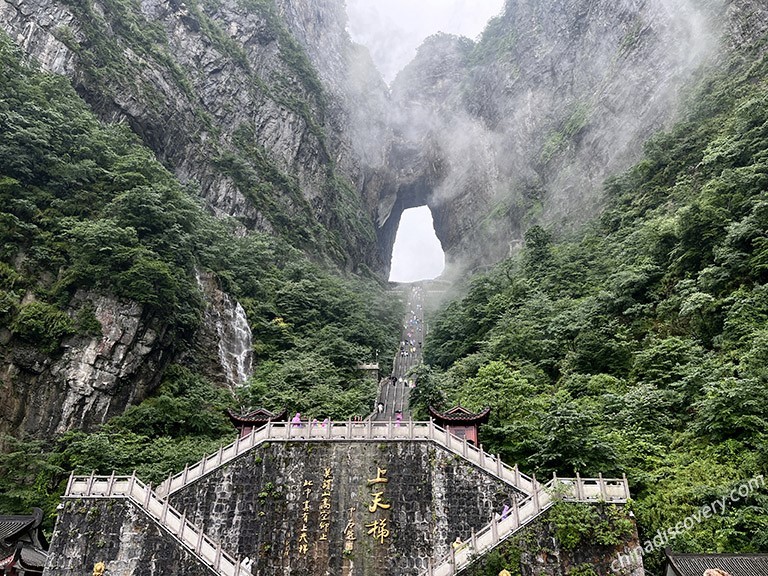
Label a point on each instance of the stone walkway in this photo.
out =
(394, 391)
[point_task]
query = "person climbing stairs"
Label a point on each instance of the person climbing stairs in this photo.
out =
(392, 402)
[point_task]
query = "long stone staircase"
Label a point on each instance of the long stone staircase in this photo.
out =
(191, 537)
(394, 392)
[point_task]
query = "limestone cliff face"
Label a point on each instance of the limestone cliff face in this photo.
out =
(94, 378)
(747, 24)
(269, 105)
(283, 124)
(556, 96)
(225, 95)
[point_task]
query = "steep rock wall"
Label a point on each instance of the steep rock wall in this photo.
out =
(228, 99)
(119, 534)
(96, 376)
(284, 124)
(556, 96)
(259, 103)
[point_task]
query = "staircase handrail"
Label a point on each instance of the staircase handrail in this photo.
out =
(366, 430)
(591, 490)
(207, 550)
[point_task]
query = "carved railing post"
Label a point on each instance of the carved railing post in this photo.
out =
(164, 513)
(626, 486)
(579, 487)
(131, 483)
(200, 536)
(217, 557)
(516, 513)
(601, 485)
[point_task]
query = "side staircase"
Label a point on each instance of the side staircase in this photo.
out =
(345, 431)
(590, 490)
(171, 520)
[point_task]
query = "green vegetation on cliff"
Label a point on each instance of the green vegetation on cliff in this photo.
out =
(85, 208)
(641, 346)
(129, 67)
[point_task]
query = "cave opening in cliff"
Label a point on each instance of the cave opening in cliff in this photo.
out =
(417, 253)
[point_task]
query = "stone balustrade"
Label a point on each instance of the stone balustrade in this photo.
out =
(591, 490)
(539, 497)
(352, 431)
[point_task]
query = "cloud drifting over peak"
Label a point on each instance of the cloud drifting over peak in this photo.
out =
(392, 30)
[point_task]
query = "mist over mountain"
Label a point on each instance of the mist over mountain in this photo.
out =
(199, 202)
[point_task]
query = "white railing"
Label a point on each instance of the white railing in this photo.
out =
(346, 431)
(190, 536)
(592, 490)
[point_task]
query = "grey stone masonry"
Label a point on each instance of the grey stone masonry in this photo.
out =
(120, 534)
(357, 508)
(311, 503)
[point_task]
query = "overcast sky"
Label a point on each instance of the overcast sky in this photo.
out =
(392, 30)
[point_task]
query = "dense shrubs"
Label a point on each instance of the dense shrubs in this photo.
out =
(639, 346)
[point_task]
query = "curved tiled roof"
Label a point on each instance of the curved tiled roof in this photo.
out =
(734, 564)
(32, 557)
(258, 416)
(459, 414)
(12, 526)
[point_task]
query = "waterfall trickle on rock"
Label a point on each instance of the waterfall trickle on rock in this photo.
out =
(234, 342)
(227, 333)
